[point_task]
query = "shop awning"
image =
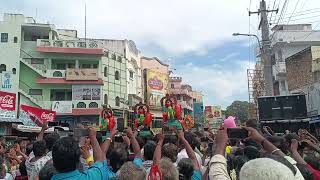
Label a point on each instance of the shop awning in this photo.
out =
(12, 120)
(35, 129)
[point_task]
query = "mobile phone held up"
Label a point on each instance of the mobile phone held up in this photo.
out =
(79, 132)
(237, 133)
(120, 124)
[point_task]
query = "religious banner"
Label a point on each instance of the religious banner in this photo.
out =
(6, 81)
(7, 105)
(33, 116)
(212, 113)
(156, 87)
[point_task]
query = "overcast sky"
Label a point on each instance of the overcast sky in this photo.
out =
(193, 36)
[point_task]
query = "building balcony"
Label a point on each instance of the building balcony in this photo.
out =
(69, 46)
(74, 107)
(185, 105)
(71, 76)
(279, 70)
(294, 36)
(181, 91)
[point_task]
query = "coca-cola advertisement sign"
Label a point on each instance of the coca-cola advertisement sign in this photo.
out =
(37, 115)
(7, 105)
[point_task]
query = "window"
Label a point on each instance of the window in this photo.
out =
(4, 37)
(93, 105)
(117, 101)
(61, 66)
(37, 61)
(105, 98)
(86, 66)
(81, 105)
(119, 58)
(172, 86)
(14, 71)
(57, 74)
(114, 57)
(3, 67)
(15, 39)
(116, 74)
(105, 71)
(131, 74)
(95, 66)
(35, 91)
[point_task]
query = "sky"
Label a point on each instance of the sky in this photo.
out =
(193, 36)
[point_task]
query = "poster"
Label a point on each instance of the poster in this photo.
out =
(33, 116)
(212, 113)
(7, 105)
(62, 106)
(86, 92)
(156, 87)
(6, 80)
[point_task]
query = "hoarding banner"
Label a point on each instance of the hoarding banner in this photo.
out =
(7, 105)
(86, 92)
(35, 116)
(156, 87)
(212, 113)
(81, 74)
(62, 106)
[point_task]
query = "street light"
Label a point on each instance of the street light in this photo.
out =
(249, 35)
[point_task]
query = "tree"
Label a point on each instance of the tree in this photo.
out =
(238, 109)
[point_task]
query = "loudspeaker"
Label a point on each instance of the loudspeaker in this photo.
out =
(282, 107)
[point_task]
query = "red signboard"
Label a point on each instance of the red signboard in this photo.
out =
(39, 116)
(7, 105)
(7, 101)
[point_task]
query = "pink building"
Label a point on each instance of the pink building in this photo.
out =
(183, 93)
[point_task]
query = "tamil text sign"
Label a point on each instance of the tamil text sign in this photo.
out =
(6, 81)
(7, 105)
(81, 74)
(86, 92)
(156, 87)
(62, 106)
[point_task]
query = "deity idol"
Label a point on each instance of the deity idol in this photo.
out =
(171, 111)
(143, 116)
(107, 120)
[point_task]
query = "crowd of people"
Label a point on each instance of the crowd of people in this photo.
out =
(178, 155)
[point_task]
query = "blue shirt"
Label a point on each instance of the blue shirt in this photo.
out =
(97, 171)
(196, 175)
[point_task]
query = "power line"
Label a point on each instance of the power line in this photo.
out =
(271, 14)
(302, 14)
(295, 7)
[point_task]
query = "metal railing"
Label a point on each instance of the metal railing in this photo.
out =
(26, 89)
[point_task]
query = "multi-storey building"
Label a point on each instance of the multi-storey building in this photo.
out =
(288, 40)
(183, 93)
(155, 85)
(198, 107)
(54, 69)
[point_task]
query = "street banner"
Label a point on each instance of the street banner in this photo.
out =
(212, 113)
(35, 116)
(7, 105)
(156, 87)
(62, 106)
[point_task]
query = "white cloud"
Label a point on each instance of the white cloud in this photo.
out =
(220, 85)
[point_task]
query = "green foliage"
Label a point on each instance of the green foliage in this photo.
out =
(238, 109)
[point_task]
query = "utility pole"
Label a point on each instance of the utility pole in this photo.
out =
(265, 50)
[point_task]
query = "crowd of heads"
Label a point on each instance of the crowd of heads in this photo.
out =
(184, 155)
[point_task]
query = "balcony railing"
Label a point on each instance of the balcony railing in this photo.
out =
(76, 104)
(295, 36)
(68, 43)
(55, 73)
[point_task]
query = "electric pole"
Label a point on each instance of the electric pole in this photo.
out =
(265, 49)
